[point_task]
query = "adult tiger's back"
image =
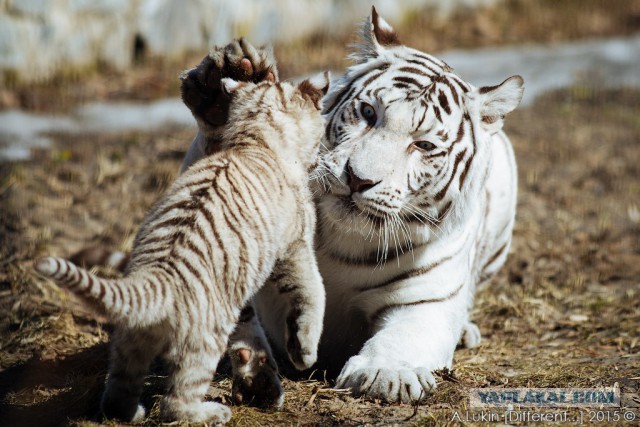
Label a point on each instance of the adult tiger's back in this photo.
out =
(207, 246)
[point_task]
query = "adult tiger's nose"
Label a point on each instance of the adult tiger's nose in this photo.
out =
(357, 184)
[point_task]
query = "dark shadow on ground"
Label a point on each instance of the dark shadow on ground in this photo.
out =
(51, 392)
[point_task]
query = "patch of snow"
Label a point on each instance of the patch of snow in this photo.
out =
(20, 131)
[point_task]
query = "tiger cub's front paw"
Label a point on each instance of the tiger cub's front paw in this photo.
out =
(302, 337)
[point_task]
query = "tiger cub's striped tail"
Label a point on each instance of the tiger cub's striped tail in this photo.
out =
(121, 300)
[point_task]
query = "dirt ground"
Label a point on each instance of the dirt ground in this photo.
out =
(563, 312)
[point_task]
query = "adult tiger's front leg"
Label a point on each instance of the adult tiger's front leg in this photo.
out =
(416, 205)
(396, 364)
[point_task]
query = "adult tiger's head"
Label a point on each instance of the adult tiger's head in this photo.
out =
(406, 138)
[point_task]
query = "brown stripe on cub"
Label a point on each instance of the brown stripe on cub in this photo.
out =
(412, 70)
(102, 292)
(460, 133)
(431, 70)
(440, 195)
(119, 298)
(444, 102)
(436, 110)
(463, 175)
(408, 80)
(169, 223)
(135, 295)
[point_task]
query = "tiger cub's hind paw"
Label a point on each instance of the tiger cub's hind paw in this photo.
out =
(255, 379)
(196, 412)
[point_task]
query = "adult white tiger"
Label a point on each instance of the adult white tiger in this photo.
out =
(419, 206)
(416, 204)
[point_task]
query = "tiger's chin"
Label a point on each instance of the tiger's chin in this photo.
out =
(349, 216)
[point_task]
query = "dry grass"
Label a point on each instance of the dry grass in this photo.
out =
(564, 311)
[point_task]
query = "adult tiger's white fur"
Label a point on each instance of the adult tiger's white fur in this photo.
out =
(419, 205)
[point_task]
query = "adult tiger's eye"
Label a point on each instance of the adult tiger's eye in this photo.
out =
(425, 145)
(369, 113)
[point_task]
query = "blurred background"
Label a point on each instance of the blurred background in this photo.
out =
(57, 56)
(92, 131)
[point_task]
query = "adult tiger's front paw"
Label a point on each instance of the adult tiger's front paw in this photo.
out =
(390, 382)
(239, 60)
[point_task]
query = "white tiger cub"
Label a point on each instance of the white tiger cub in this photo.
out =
(207, 246)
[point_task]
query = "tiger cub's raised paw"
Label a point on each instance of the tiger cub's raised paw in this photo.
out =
(239, 60)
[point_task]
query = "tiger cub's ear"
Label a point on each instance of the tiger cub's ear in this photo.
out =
(496, 101)
(229, 86)
(315, 88)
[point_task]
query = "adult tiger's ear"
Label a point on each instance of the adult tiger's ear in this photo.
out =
(315, 88)
(494, 102)
(377, 35)
(229, 86)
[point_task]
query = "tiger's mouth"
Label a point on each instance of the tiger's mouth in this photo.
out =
(378, 217)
